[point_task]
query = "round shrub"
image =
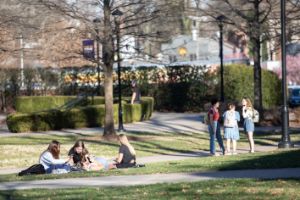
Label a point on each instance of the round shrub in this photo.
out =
(238, 83)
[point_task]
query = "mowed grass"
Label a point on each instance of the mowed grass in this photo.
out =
(24, 151)
(269, 160)
(225, 189)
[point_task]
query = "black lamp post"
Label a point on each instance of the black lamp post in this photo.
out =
(118, 13)
(220, 20)
(97, 23)
(285, 139)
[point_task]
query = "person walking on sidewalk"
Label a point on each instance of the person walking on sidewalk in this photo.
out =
(231, 128)
(248, 112)
(214, 127)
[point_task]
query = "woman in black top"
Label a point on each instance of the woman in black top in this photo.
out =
(82, 159)
(78, 152)
(127, 155)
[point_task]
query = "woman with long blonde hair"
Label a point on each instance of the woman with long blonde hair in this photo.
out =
(248, 112)
(127, 155)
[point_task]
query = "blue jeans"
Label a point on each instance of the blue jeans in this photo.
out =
(103, 162)
(213, 136)
(59, 169)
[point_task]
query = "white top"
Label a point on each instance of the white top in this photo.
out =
(47, 160)
(247, 112)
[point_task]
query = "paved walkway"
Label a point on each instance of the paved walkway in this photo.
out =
(150, 179)
(159, 123)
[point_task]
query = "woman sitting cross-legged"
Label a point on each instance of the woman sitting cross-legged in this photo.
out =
(82, 159)
(51, 161)
(127, 155)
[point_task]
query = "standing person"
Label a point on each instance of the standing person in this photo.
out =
(248, 112)
(51, 161)
(127, 155)
(214, 127)
(136, 94)
(231, 129)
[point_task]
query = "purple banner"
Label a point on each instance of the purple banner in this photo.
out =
(88, 49)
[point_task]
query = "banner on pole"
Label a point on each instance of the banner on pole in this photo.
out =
(88, 49)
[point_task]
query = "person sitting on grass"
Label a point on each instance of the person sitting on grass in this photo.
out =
(83, 160)
(51, 161)
(127, 156)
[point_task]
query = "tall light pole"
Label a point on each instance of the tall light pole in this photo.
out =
(117, 14)
(220, 20)
(285, 139)
(97, 23)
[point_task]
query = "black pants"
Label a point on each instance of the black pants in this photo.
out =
(125, 165)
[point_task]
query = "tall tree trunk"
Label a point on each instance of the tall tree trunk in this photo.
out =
(255, 37)
(108, 60)
(109, 129)
(257, 74)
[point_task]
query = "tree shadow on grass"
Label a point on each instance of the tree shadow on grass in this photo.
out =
(152, 147)
(284, 159)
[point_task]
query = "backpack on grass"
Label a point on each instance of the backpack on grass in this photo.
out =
(34, 169)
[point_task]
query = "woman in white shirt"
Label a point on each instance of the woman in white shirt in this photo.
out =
(51, 162)
(247, 111)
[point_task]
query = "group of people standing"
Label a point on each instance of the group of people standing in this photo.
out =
(231, 129)
(79, 158)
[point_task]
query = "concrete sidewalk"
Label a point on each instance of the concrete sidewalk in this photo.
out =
(159, 123)
(150, 179)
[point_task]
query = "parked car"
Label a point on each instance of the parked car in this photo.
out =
(294, 96)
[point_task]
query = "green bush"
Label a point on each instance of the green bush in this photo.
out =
(87, 116)
(27, 104)
(189, 88)
(238, 83)
(30, 104)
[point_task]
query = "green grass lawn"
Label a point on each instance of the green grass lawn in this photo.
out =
(228, 189)
(25, 151)
(276, 159)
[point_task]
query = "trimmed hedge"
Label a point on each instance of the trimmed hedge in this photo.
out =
(30, 104)
(78, 117)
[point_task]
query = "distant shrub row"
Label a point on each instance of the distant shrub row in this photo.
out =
(189, 88)
(76, 117)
